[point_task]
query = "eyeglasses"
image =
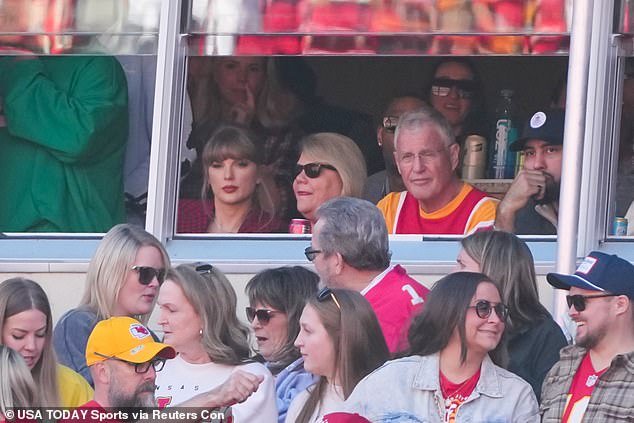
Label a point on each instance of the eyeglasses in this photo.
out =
(204, 268)
(441, 87)
(579, 301)
(484, 308)
(263, 314)
(326, 293)
(147, 274)
(156, 362)
(311, 253)
(312, 170)
(389, 123)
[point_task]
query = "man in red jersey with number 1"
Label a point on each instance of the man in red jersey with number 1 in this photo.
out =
(350, 250)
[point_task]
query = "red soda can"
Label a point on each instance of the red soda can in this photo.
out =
(300, 226)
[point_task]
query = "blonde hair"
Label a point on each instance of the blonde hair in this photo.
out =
(17, 388)
(342, 153)
(276, 106)
(233, 142)
(110, 265)
(16, 296)
(224, 337)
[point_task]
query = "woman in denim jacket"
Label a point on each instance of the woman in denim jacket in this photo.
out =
(451, 374)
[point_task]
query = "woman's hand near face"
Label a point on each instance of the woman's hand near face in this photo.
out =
(243, 113)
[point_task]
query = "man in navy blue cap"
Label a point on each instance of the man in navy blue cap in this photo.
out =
(593, 381)
(531, 204)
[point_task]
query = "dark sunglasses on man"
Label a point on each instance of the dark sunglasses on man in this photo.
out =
(579, 302)
(311, 170)
(441, 87)
(147, 274)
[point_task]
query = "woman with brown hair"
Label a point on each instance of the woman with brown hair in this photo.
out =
(26, 325)
(341, 341)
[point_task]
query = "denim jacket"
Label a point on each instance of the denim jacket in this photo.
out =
(408, 390)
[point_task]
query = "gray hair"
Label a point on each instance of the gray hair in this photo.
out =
(418, 119)
(355, 229)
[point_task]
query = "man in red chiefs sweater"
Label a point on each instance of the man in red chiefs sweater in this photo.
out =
(350, 250)
(436, 201)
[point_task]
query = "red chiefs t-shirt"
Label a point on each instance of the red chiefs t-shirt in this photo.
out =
(455, 394)
(581, 389)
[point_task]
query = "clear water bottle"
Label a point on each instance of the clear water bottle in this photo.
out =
(505, 132)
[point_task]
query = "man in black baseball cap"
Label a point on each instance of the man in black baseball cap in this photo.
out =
(531, 204)
(593, 381)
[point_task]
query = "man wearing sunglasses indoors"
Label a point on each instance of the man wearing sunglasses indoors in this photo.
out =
(350, 250)
(531, 204)
(389, 180)
(123, 359)
(436, 201)
(594, 380)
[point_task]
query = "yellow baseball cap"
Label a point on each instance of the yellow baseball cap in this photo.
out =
(126, 339)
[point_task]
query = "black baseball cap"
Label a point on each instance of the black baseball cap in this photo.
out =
(545, 125)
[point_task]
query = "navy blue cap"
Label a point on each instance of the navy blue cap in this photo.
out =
(545, 125)
(599, 272)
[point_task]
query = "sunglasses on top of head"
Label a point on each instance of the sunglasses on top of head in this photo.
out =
(263, 314)
(389, 123)
(311, 170)
(441, 87)
(147, 274)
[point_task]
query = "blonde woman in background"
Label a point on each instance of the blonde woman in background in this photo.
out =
(17, 388)
(26, 325)
(123, 279)
(330, 165)
(198, 315)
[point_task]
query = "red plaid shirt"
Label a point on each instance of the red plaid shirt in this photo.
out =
(192, 218)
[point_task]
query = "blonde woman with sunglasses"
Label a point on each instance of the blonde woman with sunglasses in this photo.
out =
(330, 165)
(123, 279)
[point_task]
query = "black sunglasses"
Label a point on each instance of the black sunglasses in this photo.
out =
(325, 294)
(264, 315)
(157, 362)
(442, 87)
(204, 268)
(389, 123)
(484, 309)
(579, 301)
(147, 274)
(312, 170)
(311, 253)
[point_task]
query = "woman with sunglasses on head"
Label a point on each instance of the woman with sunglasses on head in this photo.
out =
(455, 91)
(123, 279)
(533, 337)
(198, 315)
(277, 298)
(341, 342)
(452, 373)
(234, 197)
(330, 165)
(26, 326)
